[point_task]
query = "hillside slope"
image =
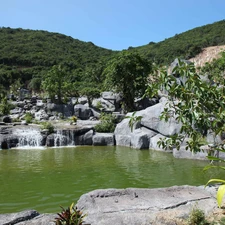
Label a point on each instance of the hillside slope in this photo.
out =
(185, 45)
(207, 55)
(25, 54)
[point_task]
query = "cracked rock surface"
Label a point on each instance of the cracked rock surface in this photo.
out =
(131, 206)
(145, 206)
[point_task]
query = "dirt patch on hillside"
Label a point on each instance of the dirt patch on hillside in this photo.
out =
(207, 55)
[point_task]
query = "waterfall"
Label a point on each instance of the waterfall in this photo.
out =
(28, 137)
(64, 138)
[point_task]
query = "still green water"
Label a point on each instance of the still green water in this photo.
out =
(44, 179)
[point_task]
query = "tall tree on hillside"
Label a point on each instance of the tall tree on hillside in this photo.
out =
(56, 83)
(127, 74)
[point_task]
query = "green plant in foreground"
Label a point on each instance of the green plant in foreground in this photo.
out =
(107, 124)
(48, 126)
(221, 189)
(70, 216)
(197, 217)
(133, 119)
(28, 117)
(74, 119)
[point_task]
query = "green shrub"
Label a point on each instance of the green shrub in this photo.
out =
(99, 105)
(197, 217)
(48, 126)
(28, 117)
(4, 107)
(70, 216)
(107, 124)
(74, 119)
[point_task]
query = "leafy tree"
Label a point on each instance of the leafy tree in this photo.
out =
(127, 74)
(199, 105)
(56, 83)
(4, 107)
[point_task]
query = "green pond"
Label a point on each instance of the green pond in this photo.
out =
(44, 179)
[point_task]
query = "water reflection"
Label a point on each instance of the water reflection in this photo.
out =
(45, 179)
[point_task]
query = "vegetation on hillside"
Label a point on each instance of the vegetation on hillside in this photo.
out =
(28, 59)
(127, 74)
(27, 55)
(185, 45)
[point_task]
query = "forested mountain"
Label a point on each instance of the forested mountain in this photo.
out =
(26, 56)
(185, 45)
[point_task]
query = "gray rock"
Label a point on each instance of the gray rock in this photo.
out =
(106, 105)
(140, 138)
(82, 112)
(6, 119)
(153, 144)
(102, 139)
(65, 110)
(123, 140)
(41, 115)
(88, 138)
(17, 110)
(43, 219)
(187, 154)
(151, 120)
(143, 206)
(15, 218)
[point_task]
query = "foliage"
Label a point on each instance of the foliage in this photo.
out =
(48, 126)
(4, 107)
(197, 104)
(36, 52)
(55, 83)
(215, 69)
(28, 117)
(185, 45)
(127, 74)
(99, 105)
(193, 102)
(70, 216)
(107, 124)
(74, 119)
(133, 119)
(197, 217)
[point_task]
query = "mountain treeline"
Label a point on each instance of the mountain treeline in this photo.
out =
(27, 56)
(185, 45)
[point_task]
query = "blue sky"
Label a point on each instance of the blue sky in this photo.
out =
(113, 24)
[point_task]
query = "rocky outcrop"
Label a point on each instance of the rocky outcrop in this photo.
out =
(82, 112)
(159, 206)
(104, 139)
(150, 127)
(16, 218)
(145, 206)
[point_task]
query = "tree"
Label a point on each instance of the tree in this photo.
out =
(127, 74)
(198, 104)
(56, 83)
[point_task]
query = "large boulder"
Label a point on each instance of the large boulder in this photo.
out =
(103, 105)
(102, 139)
(6, 119)
(144, 206)
(140, 138)
(88, 138)
(123, 132)
(41, 115)
(66, 110)
(153, 144)
(82, 112)
(16, 218)
(151, 120)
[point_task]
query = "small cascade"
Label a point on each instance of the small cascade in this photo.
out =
(64, 138)
(28, 137)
